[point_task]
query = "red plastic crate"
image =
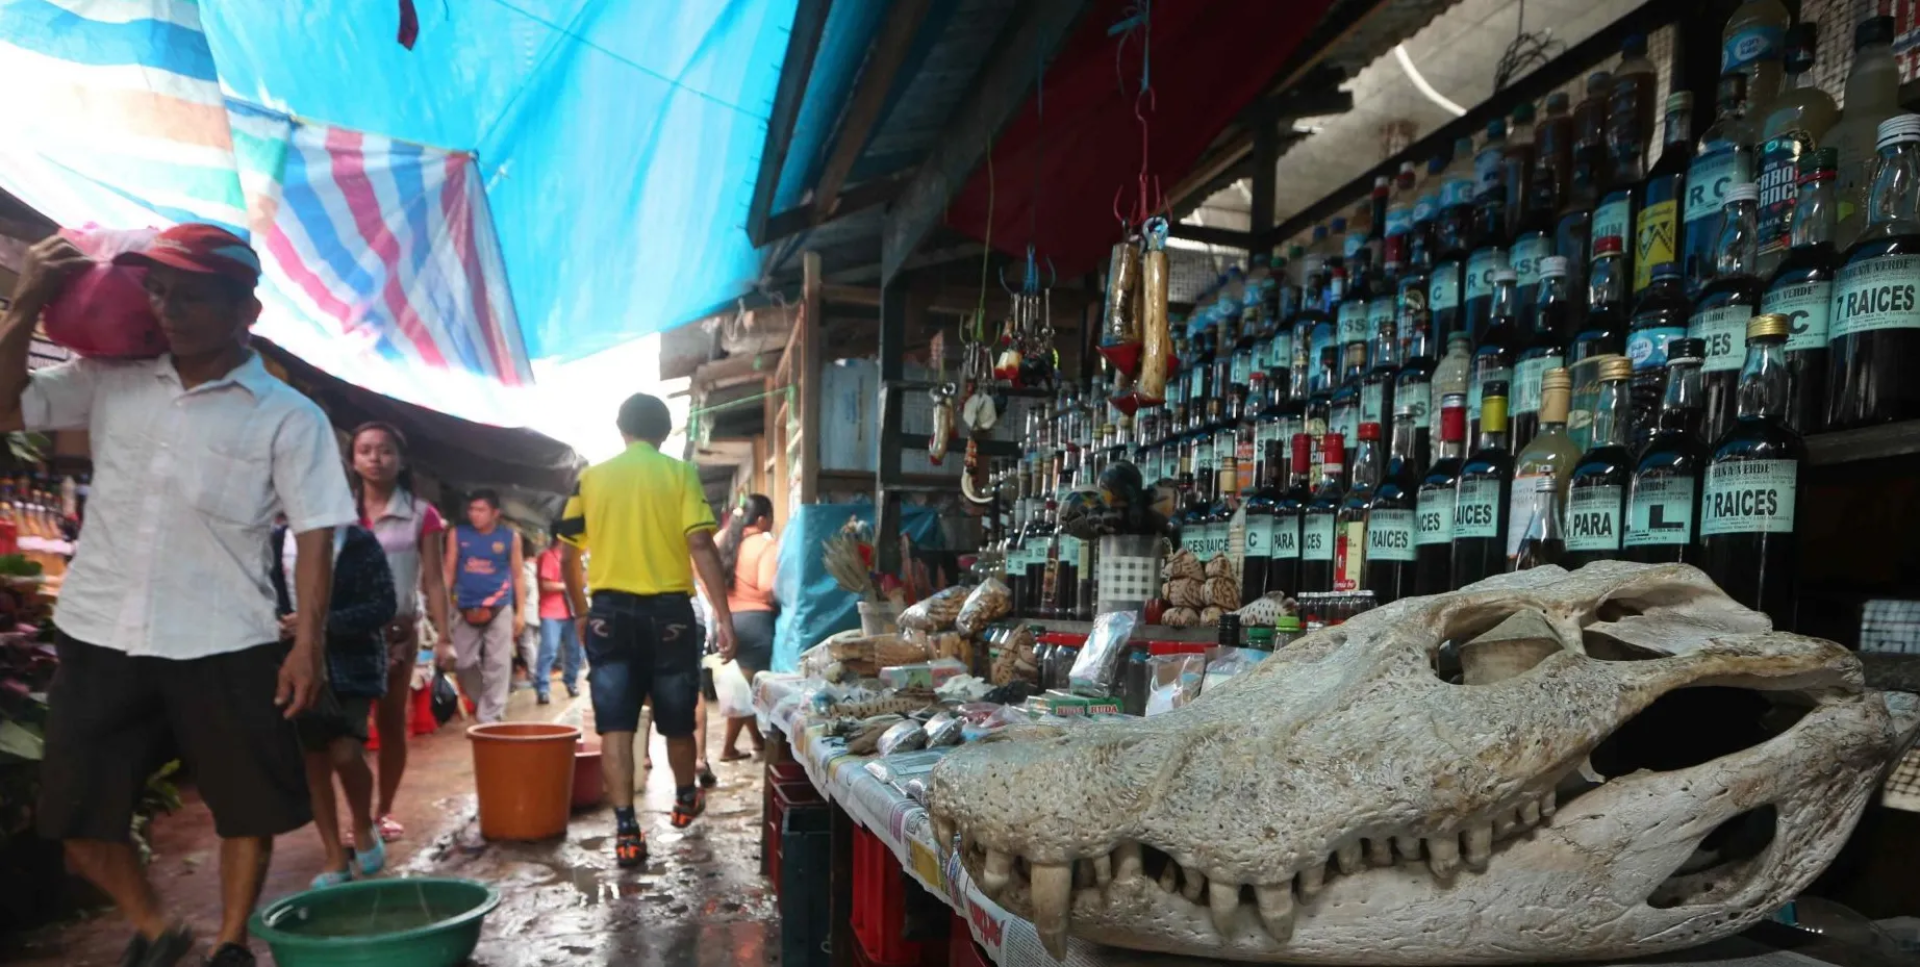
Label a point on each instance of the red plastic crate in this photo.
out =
(962, 949)
(879, 908)
(784, 796)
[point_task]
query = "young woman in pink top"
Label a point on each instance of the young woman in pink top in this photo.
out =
(749, 553)
(558, 637)
(383, 487)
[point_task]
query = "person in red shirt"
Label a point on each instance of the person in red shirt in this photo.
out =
(749, 554)
(558, 637)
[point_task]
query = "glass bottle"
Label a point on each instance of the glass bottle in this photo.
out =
(1381, 310)
(1553, 154)
(1493, 357)
(1256, 567)
(1874, 331)
(1354, 309)
(1590, 133)
(1724, 159)
(1545, 349)
(1454, 373)
(1517, 159)
(1283, 573)
(1489, 240)
(1747, 543)
(1627, 145)
(1796, 123)
(1413, 384)
(1533, 229)
(1604, 333)
(1426, 205)
(1344, 405)
(1390, 528)
(1720, 316)
(1445, 285)
(1635, 80)
(1597, 489)
(1540, 479)
(1317, 530)
(1572, 234)
(1659, 317)
(1434, 503)
(1376, 387)
(1481, 497)
(1752, 43)
(1872, 96)
(1802, 290)
(1399, 216)
(1657, 220)
(1663, 499)
(1350, 527)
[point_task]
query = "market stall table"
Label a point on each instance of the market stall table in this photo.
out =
(882, 807)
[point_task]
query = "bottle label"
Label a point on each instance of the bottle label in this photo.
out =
(1527, 508)
(1647, 348)
(1654, 240)
(1209, 535)
(1457, 191)
(1414, 394)
(1280, 350)
(1399, 220)
(1806, 303)
(1425, 207)
(1749, 497)
(1434, 517)
(1708, 177)
(1593, 518)
(1876, 294)
(1070, 549)
(1610, 220)
(1779, 162)
(1660, 512)
(1150, 466)
(1202, 453)
(1346, 422)
(1749, 44)
(1350, 555)
(1316, 537)
(1242, 367)
(1259, 535)
(1487, 170)
(1353, 321)
(1284, 536)
(1528, 250)
(1476, 509)
(1526, 388)
(1389, 534)
(1480, 268)
(1380, 313)
(1724, 330)
(1373, 403)
(1477, 387)
(1443, 289)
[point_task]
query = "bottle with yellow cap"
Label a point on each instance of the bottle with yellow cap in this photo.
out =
(1663, 498)
(1481, 497)
(1747, 542)
(1538, 498)
(1597, 490)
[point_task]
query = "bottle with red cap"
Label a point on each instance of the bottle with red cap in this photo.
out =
(1434, 502)
(1290, 508)
(1317, 529)
(1350, 525)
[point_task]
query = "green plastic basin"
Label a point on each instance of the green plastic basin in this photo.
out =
(421, 922)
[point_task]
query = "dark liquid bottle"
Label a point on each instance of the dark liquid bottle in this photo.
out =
(1317, 531)
(1657, 220)
(1350, 526)
(1493, 356)
(1597, 491)
(1721, 313)
(1390, 527)
(1573, 236)
(1545, 349)
(1433, 507)
(1613, 216)
(1289, 511)
(1874, 350)
(1257, 566)
(1376, 388)
(1663, 499)
(1802, 290)
(1413, 385)
(1747, 543)
(1446, 283)
(1344, 405)
(1725, 159)
(1488, 255)
(1659, 317)
(1602, 333)
(1481, 499)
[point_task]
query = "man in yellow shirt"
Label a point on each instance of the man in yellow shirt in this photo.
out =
(643, 520)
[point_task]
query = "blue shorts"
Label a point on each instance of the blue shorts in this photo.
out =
(640, 647)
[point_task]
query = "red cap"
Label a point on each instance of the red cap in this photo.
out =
(1333, 450)
(1606, 244)
(196, 247)
(1453, 424)
(1369, 432)
(1302, 452)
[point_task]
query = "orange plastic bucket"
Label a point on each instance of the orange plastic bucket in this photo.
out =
(523, 772)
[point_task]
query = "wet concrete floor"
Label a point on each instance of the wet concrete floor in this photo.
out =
(699, 902)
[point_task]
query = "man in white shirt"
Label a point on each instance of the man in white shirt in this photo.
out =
(168, 639)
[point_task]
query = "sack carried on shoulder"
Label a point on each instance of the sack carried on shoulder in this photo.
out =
(479, 617)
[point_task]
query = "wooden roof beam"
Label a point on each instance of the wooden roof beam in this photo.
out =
(869, 97)
(809, 22)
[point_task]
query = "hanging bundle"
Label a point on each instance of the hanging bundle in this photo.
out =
(1156, 329)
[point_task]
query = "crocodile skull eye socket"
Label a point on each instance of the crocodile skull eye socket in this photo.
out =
(1344, 803)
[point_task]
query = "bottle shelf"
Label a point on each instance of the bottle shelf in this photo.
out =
(1866, 443)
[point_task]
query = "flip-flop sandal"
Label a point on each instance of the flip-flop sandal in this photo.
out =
(685, 811)
(707, 778)
(390, 828)
(733, 755)
(630, 849)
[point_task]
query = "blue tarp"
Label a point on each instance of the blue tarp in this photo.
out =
(812, 606)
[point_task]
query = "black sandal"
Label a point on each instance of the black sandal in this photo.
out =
(707, 778)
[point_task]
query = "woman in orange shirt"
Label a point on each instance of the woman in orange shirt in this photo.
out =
(750, 554)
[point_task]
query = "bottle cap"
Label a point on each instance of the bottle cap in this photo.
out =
(1679, 101)
(1302, 452)
(1437, 164)
(1899, 128)
(1340, 223)
(1497, 129)
(1333, 450)
(1771, 324)
(1553, 266)
(1406, 167)
(1634, 46)
(1620, 367)
(1558, 102)
(1744, 191)
(1598, 82)
(1319, 232)
(1873, 30)
(1523, 112)
(1688, 349)
(1370, 432)
(1556, 378)
(1493, 408)
(1463, 147)
(1504, 275)
(1824, 159)
(1453, 418)
(1608, 245)
(1380, 181)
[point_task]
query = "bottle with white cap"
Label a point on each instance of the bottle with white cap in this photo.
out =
(1720, 314)
(1874, 328)
(1543, 347)
(1493, 356)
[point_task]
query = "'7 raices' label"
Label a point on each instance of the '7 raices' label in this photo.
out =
(1876, 294)
(1316, 537)
(1476, 509)
(1434, 517)
(1389, 534)
(1749, 497)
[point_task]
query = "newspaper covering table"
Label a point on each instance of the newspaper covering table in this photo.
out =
(885, 810)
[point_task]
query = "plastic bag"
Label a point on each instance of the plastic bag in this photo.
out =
(988, 603)
(103, 312)
(734, 691)
(1096, 669)
(1232, 661)
(936, 611)
(446, 698)
(904, 737)
(1174, 680)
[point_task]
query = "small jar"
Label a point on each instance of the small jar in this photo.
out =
(1285, 631)
(1134, 678)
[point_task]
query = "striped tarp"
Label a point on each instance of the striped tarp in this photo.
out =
(381, 264)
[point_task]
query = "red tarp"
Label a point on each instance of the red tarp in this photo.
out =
(1209, 61)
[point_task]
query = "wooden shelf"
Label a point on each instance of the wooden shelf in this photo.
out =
(1866, 443)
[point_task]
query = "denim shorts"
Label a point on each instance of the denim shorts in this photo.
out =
(640, 647)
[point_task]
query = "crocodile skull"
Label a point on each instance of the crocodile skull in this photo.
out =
(1344, 803)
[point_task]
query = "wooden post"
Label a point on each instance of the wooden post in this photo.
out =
(811, 343)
